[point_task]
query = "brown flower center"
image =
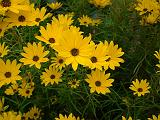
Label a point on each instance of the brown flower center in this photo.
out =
(35, 58)
(52, 76)
(35, 114)
(108, 59)
(145, 9)
(27, 91)
(93, 59)
(0, 53)
(98, 83)
(75, 52)
(140, 90)
(21, 18)
(37, 19)
(6, 3)
(60, 61)
(73, 82)
(8, 74)
(0, 30)
(52, 40)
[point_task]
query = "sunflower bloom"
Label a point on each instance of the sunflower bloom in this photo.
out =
(9, 72)
(114, 53)
(3, 50)
(51, 35)
(98, 56)
(10, 115)
(100, 3)
(74, 48)
(34, 55)
(34, 113)
(85, 20)
(26, 89)
(12, 89)
(58, 62)
(51, 75)
(23, 18)
(99, 82)
(123, 118)
(140, 87)
(74, 83)
(14, 5)
(55, 5)
(38, 15)
(154, 117)
(70, 117)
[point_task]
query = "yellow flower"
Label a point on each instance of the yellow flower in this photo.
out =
(25, 116)
(96, 22)
(154, 117)
(140, 87)
(34, 55)
(123, 118)
(70, 117)
(98, 56)
(157, 55)
(14, 5)
(99, 82)
(9, 72)
(3, 28)
(26, 89)
(23, 18)
(55, 5)
(146, 6)
(34, 113)
(74, 83)
(38, 15)
(12, 89)
(51, 35)
(85, 20)
(74, 48)
(113, 52)
(100, 3)
(10, 115)
(58, 62)
(51, 75)
(3, 50)
(63, 20)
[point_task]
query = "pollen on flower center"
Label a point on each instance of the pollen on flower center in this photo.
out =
(8, 74)
(93, 59)
(98, 83)
(140, 89)
(52, 76)
(60, 61)
(75, 52)
(35, 58)
(21, 18)
(51, 40)
(37, 19)
(6, 3)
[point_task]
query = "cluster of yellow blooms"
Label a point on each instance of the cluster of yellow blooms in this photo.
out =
(100, 3)
(70, 46)
(149, 10)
